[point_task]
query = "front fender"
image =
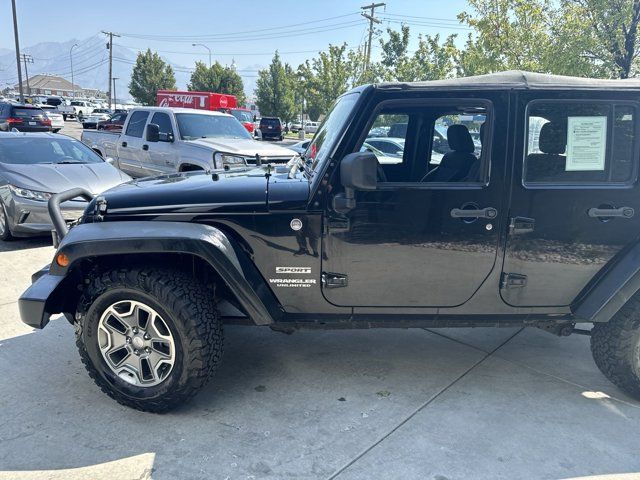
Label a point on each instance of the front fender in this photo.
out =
(120, 238)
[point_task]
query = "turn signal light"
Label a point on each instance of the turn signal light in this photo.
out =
(62, 259)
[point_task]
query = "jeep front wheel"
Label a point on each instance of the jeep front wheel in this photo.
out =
(616, 347)
(149, 338)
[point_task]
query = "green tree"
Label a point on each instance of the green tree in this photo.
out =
(509, 34)
(432, 60)
(275, 90)
(150, 74)
(603, 33)
(328, 76)
(218, 79)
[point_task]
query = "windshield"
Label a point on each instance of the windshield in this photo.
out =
(242, 115)
(25, 112)
(34, 151)
(326, 136)
(193, 126)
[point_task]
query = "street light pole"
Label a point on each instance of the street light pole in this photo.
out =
(73, 85)
(203, 45)
(15, 34)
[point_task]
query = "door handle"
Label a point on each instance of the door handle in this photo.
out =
(124, 144)
(488, 212)
(145, 147)
(623, 212)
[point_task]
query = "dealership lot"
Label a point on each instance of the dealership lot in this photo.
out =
(362, 404)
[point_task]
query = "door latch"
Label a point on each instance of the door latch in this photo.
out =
(334, 280)
(513, 280)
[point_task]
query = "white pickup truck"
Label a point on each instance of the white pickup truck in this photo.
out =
(160, 140)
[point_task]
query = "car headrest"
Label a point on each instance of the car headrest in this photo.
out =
(460, 139)
(553, 139)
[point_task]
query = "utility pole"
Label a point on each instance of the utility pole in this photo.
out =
(15, 34)
(73, 85)
(110, 48)
(208, 49)
(372, 19)
(115, 102)
(26, 58)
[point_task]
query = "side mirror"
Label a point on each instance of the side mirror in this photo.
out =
(166, 137)
(358, 171)
(153, 133)
(109, 160)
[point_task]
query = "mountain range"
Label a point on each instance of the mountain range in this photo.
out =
(90, 64)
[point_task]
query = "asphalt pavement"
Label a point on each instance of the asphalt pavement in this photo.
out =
(366, 404)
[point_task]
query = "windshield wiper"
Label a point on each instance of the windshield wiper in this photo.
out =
(68, 162)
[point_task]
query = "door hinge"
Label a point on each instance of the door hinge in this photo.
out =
(334, 280)
(513, 280)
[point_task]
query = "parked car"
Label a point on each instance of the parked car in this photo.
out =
(271, 128)
(538, 230)
(311, 127)
(114, 123)
(160, 140)
(33, 166)
(391, 146)
(300, 147)
(295, 127)
(98, 115)
(57, 120)
(81, 108)
(24, 118)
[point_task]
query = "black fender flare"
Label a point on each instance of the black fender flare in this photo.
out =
(204, 241)
(602, 300)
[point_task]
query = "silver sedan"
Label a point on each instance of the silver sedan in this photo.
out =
(33, 166)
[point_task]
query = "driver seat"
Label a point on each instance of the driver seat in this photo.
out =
(455, 165)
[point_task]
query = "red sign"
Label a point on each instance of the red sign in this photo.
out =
(199, 100)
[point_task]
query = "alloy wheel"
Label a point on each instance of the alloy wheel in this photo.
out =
(136, 343)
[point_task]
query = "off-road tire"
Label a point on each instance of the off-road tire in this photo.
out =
(189, 310)
(616, 347)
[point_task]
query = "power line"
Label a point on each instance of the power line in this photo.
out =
(245, 32)
(253, 38)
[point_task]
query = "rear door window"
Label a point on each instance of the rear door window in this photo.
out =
(136, 124)
(580, 143)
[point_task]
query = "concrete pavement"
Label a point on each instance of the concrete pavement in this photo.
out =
(378, 404)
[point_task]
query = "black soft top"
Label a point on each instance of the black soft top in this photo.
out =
(518, 80)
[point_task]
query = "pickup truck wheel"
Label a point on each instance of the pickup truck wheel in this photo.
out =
(150, 338)
(616, 347)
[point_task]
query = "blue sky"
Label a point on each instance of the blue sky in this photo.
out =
(248, 32)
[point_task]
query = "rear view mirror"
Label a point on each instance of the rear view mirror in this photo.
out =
(153, 132)
(358, 171)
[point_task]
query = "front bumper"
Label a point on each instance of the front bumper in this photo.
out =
(33, 302)
(28, 217)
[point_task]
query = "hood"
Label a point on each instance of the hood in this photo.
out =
(52, 178)
(241, 191)
(245, 147)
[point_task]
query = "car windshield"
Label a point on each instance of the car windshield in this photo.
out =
(193, 125)
(327, 134)
(77, 104)
(242, 115)
(39, 150)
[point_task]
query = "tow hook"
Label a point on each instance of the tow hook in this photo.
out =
(100, 209)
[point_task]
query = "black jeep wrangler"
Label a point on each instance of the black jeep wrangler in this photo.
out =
(526, 217)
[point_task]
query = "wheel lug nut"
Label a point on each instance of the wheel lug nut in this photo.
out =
(137, 352)
(128, 339)
(135, 329)
(147, 336)
(148, 350)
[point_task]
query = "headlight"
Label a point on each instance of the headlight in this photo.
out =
(227, 160)
(29, 194)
